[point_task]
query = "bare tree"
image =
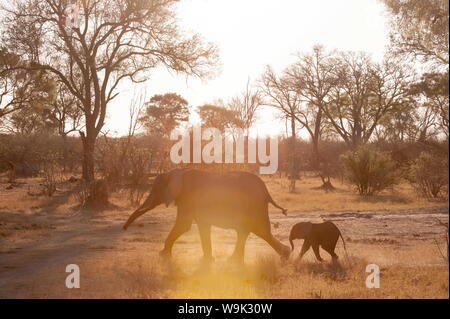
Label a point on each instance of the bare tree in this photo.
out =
(117, 153)
(135, 162)
(246, 105)
(135, 111)
(279, 93)
(313, 77)
(107, 42)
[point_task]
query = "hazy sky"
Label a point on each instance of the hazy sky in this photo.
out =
(253, 33)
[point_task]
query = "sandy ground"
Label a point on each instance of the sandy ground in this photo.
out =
(37, 244)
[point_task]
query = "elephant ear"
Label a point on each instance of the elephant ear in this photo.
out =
(174, 186)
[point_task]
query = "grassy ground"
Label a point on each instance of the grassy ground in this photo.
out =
(308, 198)
(39, 236)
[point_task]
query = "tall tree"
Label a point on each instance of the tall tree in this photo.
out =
(95, 46)
(219, 117)
(164, 112)
(246, 105)
(408, 122)
(313, 77)
(365, 93)
(279, 93)
(160, 115)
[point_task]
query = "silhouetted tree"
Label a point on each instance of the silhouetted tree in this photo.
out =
(163, 113)
(364, 94)
(278, 92)
(313, 78)
(219, 117)
(107, 42)
(246, 105)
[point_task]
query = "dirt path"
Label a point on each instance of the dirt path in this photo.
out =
(32, 263)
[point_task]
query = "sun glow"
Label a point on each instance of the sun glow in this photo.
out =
(254, 33)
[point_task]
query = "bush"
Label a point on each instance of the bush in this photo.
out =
(27, 153)
(369, 170)
(50, 173)
(429, 175)
(92, 195)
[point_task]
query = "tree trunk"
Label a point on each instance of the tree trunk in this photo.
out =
(65, 152)
(293, 171)
(97, 190)
(88, 158)
(320, 166)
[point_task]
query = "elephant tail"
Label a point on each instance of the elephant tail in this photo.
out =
(270, 199)
(292, 243)
(345, 248)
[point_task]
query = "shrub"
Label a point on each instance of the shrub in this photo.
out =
(81, 194)
(429, 175)
(93, 195)
(369, 170)
(26, 154)
(50, 173)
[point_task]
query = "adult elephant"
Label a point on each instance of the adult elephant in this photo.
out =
(236, 200)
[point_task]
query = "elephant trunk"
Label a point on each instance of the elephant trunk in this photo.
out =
(149, 204)
(132, 217)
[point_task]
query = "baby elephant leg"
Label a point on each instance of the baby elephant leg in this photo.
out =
(315, 248)
(330, 250)
(305, 247)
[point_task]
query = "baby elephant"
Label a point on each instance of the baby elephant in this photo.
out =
(324, 235)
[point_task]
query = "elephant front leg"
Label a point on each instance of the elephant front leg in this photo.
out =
(238, 254)
(181, 226)
(305, 248)
(205, 237)
(315, 248)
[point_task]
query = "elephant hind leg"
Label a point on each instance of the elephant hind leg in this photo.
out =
(238, 254)
(330, 250)
(205, 237)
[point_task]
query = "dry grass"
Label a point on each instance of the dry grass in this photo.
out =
(308, 198)
(265, 276)
(39, 236)
(146, 276)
